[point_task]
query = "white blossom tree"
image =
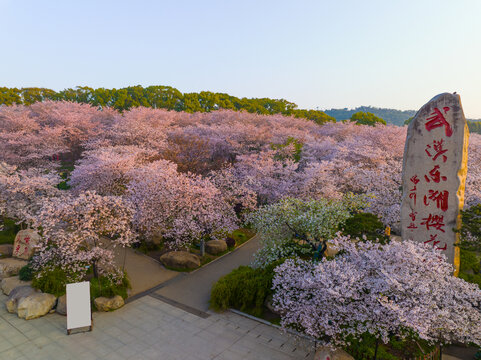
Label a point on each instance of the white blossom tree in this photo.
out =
(290, 221)
(383, 290)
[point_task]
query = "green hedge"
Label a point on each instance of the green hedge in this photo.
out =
(244, 289)
(365, 224)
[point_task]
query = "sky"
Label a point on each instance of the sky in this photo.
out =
(319, 54)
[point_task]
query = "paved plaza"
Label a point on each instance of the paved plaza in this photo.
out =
(147, 328)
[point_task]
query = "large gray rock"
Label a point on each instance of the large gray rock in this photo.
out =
(215, 247)
(434, 174)
(61, 305)
(6, 249)
(10, 283)
(11, 266)
(35, 305)
(16, 295)
(109, 304)
(25, 243)
(327, 353)
(180, 260)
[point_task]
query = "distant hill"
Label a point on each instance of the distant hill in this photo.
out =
(391, 116)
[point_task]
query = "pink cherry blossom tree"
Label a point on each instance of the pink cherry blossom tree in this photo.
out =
(22, 192)
(182, 208)
(82, 231)
(383, 290)
(105, 170)
(37, 134)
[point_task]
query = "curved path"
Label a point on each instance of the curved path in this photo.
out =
(193, 289)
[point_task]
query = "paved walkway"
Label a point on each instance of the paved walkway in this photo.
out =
(193, 289)
(143, 271)
(147, 329)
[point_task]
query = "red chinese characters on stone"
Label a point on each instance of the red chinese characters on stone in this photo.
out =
(434, 221)
(412, 192)
(436, 119)
(440, 197)
(412, 225)
(436, 150)
(435, 242)
(435, 175)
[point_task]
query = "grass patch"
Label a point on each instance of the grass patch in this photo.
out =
(10, 230)
(242, 235)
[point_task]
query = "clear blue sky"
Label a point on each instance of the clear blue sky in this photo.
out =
(324, 54)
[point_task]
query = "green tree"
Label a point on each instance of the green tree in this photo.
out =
(10, 96)
(362, 118)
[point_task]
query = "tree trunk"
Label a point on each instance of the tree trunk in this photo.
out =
(375, 350)
(94, 269)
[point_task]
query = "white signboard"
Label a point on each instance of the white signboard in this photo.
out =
(78, 306)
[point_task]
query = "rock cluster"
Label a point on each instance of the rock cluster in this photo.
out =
(29, 303)
(10, 283)
(10, 267)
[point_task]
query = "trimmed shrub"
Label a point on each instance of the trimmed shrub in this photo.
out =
(25, 273)
(51, 281)
(103, 286)
(245, 289)
(365, 224)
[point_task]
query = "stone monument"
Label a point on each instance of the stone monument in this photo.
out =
(434, 174)
(25, 243)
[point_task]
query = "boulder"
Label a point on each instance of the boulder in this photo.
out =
(25, 244)
(16, 295)
(330, 250)
(35, 305)
(180, 260)
(215, 247)
(328, 353)
(6, 250)
(62, 305)
(10, 283)
(109, 304)
(11, 266)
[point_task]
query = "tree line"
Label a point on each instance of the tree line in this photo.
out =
(165, 97)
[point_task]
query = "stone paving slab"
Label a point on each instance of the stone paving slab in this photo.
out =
(147, 328)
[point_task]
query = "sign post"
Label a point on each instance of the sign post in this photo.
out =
(78, 306)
